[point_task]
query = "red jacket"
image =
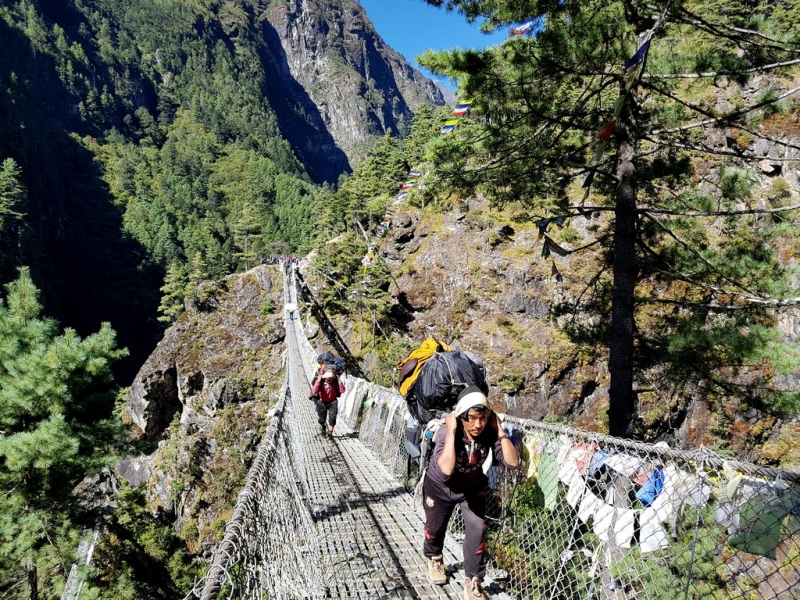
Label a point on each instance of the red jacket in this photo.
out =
(328, 389)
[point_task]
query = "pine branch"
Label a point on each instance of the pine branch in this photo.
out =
(664, 142)
(734, 34)
(699, 256)
(749, 301)
(760, 69)
(590, 285)
(718, 119)
(714, 214)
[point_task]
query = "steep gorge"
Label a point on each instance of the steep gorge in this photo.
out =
(143, 129)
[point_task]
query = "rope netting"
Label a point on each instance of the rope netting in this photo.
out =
(270, 545)
(585, 517)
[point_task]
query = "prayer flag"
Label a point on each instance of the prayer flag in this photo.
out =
(447, 129)
(542, 224)
(452, 122)
(415, 174)
(554, 272)
(630, 78)
(618, 106)
(598, 152)
(555, 247)
(522, 29)
(460, 112)
(639, 56)
(606, 130)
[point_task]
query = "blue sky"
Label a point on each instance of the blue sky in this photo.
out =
(412, 26)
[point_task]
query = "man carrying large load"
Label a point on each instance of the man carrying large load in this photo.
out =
(455, 476)
(453, 384)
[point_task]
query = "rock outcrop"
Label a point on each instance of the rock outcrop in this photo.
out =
(477, 280)
(201, 397)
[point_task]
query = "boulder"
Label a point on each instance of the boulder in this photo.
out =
(98, 492)
(136, 470)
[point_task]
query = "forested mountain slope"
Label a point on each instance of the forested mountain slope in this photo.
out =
(179, 137)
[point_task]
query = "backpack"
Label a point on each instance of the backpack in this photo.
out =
(327, 361)
(435, 388)
(441, 379)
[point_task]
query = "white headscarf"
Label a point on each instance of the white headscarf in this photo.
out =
(470, 398)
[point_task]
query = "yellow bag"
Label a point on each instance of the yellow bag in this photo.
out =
(410, 366)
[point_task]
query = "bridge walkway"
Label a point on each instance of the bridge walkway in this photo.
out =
(369, 531)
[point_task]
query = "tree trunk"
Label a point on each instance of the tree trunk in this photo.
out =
(621, 399)
(33, 580)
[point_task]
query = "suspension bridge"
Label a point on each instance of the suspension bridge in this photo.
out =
(586, 517)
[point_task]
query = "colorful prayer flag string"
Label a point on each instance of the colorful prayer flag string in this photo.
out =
(461, 109)
(631, 72)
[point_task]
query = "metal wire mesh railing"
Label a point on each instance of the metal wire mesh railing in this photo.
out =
(593, 517)
(270, 546)
(585, 517)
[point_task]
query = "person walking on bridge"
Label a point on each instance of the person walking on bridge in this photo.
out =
(325, 392)
(455, 477)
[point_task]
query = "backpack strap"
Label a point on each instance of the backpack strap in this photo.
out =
(426, 453)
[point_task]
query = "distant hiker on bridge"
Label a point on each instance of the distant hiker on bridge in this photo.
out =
(455, 477)
(325, 393)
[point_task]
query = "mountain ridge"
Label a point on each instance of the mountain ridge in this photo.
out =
(378, 87)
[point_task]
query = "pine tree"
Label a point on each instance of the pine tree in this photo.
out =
(611, 108)
(199, 271)
(12, 193)
(246, 233)
(173, 292)
(56, 404)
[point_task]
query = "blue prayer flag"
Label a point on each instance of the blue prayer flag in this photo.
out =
(639, 56)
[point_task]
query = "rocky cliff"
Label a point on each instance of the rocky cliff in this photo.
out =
(359, 86)
(201, 398)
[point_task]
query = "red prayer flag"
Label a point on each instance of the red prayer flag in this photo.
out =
(606, 130)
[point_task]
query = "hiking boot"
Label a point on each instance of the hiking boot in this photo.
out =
(323, 429)
(473, 590)
(436, 572)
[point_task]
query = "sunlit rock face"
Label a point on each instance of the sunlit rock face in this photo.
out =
(349, 79)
